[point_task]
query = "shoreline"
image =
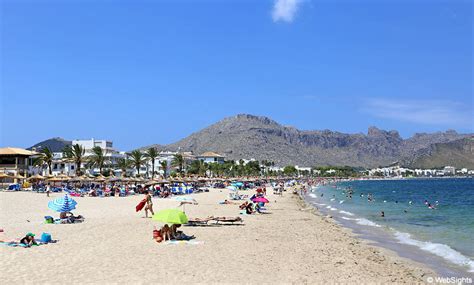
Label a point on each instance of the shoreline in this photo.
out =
(114, 245)
(401, 242)
(365, 241)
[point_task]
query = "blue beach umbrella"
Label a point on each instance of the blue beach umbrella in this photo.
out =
(232, 188)
(63, 204)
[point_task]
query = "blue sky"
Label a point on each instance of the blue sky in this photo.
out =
(144, 72)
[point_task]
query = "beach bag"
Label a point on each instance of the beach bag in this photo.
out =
(48, 220)
(45, 237)
(156, 233)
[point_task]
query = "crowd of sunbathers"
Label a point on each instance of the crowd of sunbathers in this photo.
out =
(170, 233)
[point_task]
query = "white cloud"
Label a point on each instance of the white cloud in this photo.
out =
(431, 112)
(285, 10)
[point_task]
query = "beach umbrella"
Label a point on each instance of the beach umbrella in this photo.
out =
(171, 216)
(4, 175)
(62, 204)
(35, 177)
(260, 200)
(185, 200)
(232, 188)
(18, 176)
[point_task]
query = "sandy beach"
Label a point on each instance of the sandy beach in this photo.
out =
(114, 245)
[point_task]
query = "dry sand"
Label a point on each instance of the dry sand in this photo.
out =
(114, 245)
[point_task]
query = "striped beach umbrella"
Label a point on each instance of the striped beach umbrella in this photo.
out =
(62, 204)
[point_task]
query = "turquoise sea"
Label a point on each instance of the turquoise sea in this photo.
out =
(441, 235)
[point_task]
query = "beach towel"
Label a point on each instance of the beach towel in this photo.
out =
(177, 242)
(13, 244)
(140, 205)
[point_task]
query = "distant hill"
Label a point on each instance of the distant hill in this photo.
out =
(248, 136)
(458, 153)
(55, 144)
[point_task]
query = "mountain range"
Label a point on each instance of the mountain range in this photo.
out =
(249, 136)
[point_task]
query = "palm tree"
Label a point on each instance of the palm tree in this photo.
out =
(137, 159)
(45, 158)
(98, 158)
(164, 166)
(178, 160)
(124, 164)
(74, 154)
(152, 154)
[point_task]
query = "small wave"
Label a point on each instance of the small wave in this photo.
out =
(366, 222)
(346, 213)
(349, 219)
(438, 249)
(312, 195)
(362, 221)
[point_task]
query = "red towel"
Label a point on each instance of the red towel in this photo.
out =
(140, 205)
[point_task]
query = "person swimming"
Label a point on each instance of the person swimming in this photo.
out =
(382, 214)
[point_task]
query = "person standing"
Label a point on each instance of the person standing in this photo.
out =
(149, 204)
(48, 189)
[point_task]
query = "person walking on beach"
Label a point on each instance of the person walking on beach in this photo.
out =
(149, 204)
(48, 190)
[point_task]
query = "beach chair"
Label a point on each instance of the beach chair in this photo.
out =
(199, 222)
(231, 220)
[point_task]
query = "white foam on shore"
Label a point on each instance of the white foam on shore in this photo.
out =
(331, 208)
(312, 195)
(363, 222)
(438, 249)
(346, 213)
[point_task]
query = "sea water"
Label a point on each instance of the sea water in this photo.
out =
(435, 216)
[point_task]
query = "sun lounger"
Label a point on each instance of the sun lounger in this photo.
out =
(199, 222)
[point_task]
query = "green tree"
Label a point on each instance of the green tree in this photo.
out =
(124, 164)
(178, 161)
(45, 158)
(197, 167)
(290, 170)
(137, 159)
(98, 158)
(75, 154)
(152, 154)
(164, 166)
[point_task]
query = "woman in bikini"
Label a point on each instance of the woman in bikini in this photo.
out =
(149, 204)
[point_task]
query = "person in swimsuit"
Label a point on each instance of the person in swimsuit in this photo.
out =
(149, 204)
(28, 240)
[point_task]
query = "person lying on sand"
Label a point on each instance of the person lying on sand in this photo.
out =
(29, 240)
(227, 202)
